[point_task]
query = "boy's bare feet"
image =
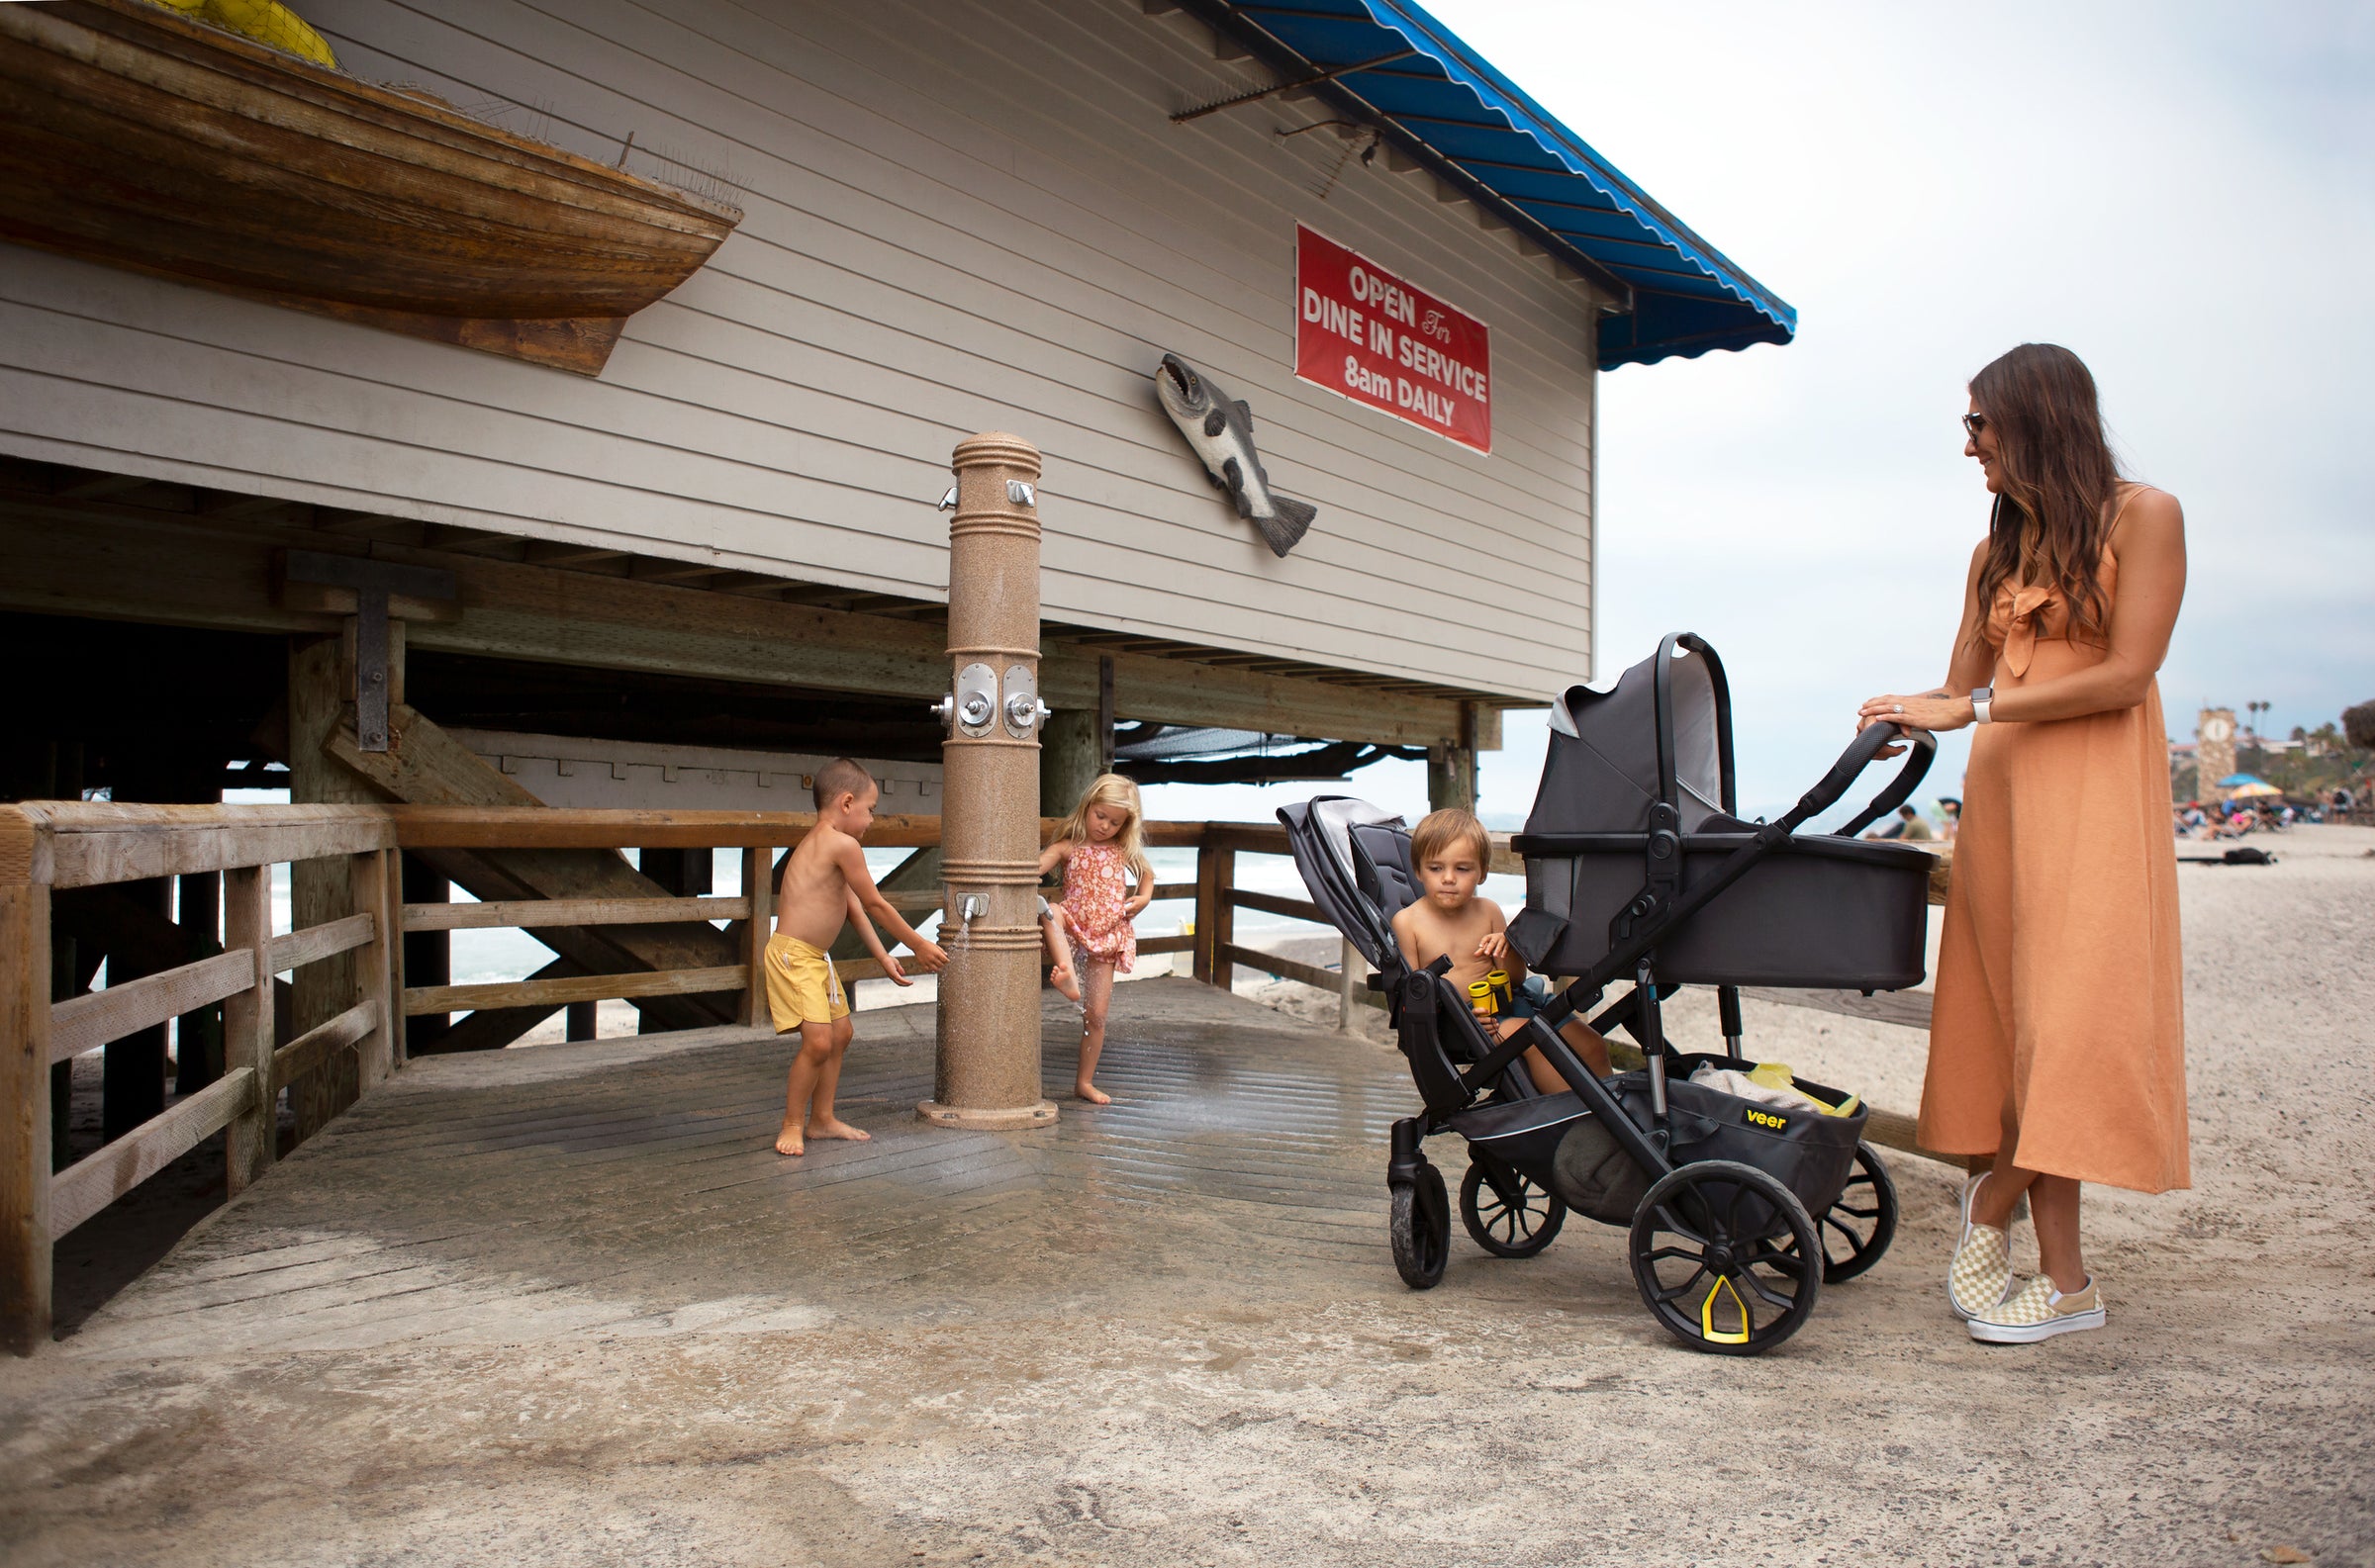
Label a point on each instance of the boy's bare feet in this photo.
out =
(1092, 1094)
(836, 1128)
(789, 1140)
(1067, 984)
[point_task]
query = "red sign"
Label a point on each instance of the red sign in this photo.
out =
(1363, 333)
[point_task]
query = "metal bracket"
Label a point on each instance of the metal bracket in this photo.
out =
(976, 700)
(1023, 709)
(372, 582)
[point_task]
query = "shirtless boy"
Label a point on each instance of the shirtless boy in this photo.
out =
(1451, 853)
(826, 883)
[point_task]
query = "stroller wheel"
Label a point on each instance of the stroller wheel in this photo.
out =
(1725, 1258)
(1861, 1222)
(1506, 1213)
(1422, 1228)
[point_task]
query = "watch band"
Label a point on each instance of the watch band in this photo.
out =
(1982, 700)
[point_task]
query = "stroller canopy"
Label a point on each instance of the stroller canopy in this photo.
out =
(1662, 732)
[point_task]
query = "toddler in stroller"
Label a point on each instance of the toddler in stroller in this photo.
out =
(1737, 1209)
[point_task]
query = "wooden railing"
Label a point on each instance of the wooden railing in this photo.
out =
(59, 846)
(49, 847)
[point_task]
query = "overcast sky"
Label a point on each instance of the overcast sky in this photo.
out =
(2183, 194)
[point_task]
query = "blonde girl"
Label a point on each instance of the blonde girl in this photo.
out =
(1102, 850)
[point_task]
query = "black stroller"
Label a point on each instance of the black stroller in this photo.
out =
(1638, 870)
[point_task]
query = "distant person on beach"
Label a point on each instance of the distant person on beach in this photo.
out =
(2058, 1044)
(1949, 818)
(1908, 825)
(827, 885)
(1101, 848)
(1452, 854)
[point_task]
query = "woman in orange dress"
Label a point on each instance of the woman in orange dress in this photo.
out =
(2057, 1041)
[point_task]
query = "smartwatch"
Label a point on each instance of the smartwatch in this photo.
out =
(1983, 700)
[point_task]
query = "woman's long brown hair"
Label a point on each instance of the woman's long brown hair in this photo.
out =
(2058, 478)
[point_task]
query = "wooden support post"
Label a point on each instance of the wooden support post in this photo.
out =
(1068, 760)
(760, 924)
(428, 955)
(370, 876)
(198, 1036)
(23, 1105)
(581, 1021)
(1105, 713)
(131, 1075)
(1206, 900)
(319, 890)
(1348, 987)
(1224, 917)
(248, 1034)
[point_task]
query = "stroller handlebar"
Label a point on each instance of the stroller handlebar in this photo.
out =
(1862, 752)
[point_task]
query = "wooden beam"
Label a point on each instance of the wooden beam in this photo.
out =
(309, 1052)
(296, 949)
(532, 912)
(88, 1022)
(87, 843)
(1272, 904)
(581, 989)
(66, 559)
(1285, 968)
(88, 1185)
(1909, 1008)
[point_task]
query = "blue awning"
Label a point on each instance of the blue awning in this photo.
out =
(1418, 79)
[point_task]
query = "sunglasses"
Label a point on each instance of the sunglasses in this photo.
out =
(1973, 423)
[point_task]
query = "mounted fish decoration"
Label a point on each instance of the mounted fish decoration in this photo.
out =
(1221, 429)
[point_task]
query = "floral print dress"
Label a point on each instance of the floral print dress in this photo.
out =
(1096, 896)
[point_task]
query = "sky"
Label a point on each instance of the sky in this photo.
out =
(2184, 194)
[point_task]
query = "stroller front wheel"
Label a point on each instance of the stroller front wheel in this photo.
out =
(1725, 1258)
(1505, 1213)
(1421, 1229)
(1861, 1222)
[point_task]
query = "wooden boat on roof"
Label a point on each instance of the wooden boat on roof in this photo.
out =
(132, 136)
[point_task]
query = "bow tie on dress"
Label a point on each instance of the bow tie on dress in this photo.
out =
(2020, 636)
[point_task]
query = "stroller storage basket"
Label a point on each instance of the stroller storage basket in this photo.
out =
(1806, 1151)
(1819, 911)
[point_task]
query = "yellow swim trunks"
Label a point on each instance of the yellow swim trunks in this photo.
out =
(801, 988)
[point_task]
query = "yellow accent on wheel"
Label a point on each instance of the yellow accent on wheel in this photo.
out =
(1708, 1327)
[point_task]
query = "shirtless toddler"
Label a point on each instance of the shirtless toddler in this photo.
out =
(1451, 853)
(826, 883)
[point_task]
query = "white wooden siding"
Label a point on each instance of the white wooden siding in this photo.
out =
(960, 217)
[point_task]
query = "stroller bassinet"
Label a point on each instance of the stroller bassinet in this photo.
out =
(1737, 1210)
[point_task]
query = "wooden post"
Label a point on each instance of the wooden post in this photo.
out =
(1207, 867)
(23, 1095)
(1105, 712)
(1348, 987)
(319, 890)
(1068, 760)
(369, 877)
(198, 1036)
(131, 1071)
(428, 955)
(1224, 917)
(755, 931)
(247, 1036)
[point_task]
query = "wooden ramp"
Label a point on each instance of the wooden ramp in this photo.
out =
(630, 1187)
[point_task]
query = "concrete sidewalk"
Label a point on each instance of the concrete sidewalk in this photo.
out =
(564, 1305)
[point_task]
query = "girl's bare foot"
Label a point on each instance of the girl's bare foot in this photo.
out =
(836, 1128)
(1092, 1094)
(789, 1140)
(1065, 983)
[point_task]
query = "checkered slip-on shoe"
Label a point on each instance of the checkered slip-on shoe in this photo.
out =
(2040, 1312)
(1980, 1277)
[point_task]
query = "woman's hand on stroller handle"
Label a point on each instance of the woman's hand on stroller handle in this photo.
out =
(1931, 711)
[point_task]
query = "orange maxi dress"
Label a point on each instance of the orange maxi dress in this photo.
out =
(2059, 980)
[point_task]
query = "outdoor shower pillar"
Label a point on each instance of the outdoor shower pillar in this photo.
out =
(987, 1074)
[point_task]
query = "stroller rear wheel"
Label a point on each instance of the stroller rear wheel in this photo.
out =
(1505, 1213)
(1421, 1229)
(1861, 1222)
(1725, 1258)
